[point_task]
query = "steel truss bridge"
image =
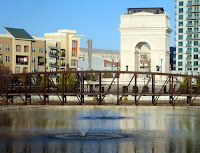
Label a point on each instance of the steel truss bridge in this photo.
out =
(99, 88)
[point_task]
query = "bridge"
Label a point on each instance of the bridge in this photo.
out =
(99, 88)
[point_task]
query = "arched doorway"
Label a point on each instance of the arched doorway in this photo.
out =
(143, 58)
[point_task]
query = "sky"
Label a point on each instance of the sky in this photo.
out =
(98, 20)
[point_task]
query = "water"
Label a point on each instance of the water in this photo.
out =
(121, 129)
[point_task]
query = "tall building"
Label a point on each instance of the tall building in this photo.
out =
(21, 52)
(187, 36)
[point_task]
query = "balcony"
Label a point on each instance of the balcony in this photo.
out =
(41, 60)
(1, 61)
(189, 31)
(193, 18)
(22, 60)
(174, 26)
(188, 52)
(175, 13)
(188, 58)
(192, 4)
(53, 75)
(62, 64)
(188, 45)
(62, 53)
(175, 6)
(193, 38)
(53, 54)
(53, 64)
(188, 65)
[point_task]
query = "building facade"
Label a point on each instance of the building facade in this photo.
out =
(187, 36)
(113, 55)
(21, 52)
(145, 27)
(173, 59)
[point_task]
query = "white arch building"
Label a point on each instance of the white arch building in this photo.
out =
(145, 26)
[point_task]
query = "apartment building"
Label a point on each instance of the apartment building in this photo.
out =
(106, 54)
(21, 52)
(187, 36)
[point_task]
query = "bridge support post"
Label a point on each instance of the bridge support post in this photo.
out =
(136, 89)
(44, 89)
(172, 90)
(82, 88)
(63, 88)
(153, 89)
(26, 89)
(100, 102)
(117, 88)
(190, 90)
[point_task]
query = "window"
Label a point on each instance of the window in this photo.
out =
(180, 30)
(180, 17)
(196, 36)
(26, 48)
(196, 56)
(180, 10)
(74, 43)
(189, 68)
(180, 37)
(196, 43)
(180, 63)
(195, 49)
(180, 24)
(7, 47)
(195, 63)
(180, 43)
(73, 52)
(33, 49)
(7, 58)
(41, 50)
(196, 68)
(180, 50)
(18, 48)
(180, 56)
(41, 69)
(33, 59)
(73, 63)
(181, 3)
(180, 69)
(0, 46)
(17, 69)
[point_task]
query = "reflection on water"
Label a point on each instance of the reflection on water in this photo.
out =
(147, 129)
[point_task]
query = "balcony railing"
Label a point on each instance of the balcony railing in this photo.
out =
(193, 18)
(53, 54)
(188, 52)
(62, 64)
(62, 54)
(192, 4)
(53, 75)
(188, 58)
(21, 63)
(192, 38)
(188, 65)
(53, 64)
(188, 45)
(41, 63)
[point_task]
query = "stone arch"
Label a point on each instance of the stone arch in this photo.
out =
(142, 57)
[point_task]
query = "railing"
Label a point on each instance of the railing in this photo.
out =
(99, 87)
(53, 54)
(62, 54)
(22, 63)
(53, 64)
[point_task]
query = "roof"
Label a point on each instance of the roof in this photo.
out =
(161, 8)
(19, 33)
(100, 51)
(53, 48)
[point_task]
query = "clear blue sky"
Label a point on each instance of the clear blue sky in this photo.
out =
(95, 19)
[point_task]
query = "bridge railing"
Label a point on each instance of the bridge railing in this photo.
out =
(99, 87)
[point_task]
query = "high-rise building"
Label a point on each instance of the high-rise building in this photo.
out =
(22, 52)
(187, 36)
